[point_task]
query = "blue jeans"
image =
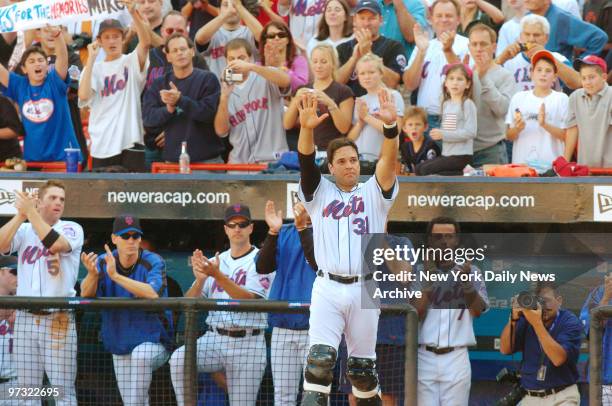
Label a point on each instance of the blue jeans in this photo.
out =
(495, 154)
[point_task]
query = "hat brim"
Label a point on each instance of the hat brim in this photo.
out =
(127, 230)
(371, 9)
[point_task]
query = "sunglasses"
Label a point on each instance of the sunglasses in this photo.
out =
(244, 224)
(127, 236)
(170, 31)
(279, 35)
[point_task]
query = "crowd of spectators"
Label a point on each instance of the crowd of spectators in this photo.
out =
(475, 82)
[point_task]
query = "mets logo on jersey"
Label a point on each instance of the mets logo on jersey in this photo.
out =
(337, 209)
(264, 281)
(238, 277)
(70, 232)
(6, 197)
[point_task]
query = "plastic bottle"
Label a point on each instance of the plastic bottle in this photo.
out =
(184, 159)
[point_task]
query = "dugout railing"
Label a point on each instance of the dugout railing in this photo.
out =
(596, 328)
(190, 322)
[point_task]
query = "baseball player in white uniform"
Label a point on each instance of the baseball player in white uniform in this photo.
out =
(446, 329)
(235, 341)
(48, 253)
(8, 287)
(341, 213)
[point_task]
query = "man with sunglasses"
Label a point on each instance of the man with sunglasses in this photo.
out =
(446, 309)
(138, 340)
(235, 342)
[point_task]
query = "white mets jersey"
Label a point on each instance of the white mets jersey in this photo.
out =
(340, 219)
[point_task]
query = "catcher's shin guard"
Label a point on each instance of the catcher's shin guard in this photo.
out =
(362, 374)
(318, 375)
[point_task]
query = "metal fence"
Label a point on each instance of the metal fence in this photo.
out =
(598, 316)
(96, 381)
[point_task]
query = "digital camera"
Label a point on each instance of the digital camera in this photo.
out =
(230, 77)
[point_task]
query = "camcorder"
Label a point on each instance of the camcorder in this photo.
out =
(230, 77)
(528, 300)
(505, 376)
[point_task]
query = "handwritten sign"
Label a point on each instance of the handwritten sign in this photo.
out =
(38, 13)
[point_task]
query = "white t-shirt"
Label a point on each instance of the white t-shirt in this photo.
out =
(115, 121)
(303, 18)
(509, 32)
(242, 272)
(215, 53)
(370, 139)
(37, 273)
(534, 143)
(447, 325)
(313, 42)
(520, 67)
(430, 89)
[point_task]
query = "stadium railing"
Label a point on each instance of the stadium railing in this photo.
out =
(96, 380)
(598, 317)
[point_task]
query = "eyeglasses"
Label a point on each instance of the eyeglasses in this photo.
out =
(127, 236)
(279, 35)
(170, 31)
(243, 224)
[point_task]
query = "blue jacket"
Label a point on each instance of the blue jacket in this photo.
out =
(124, 330)
(293, 281)
(593, 300)
(568, 32)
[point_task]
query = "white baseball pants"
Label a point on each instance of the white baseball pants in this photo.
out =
(242, 359)
(134, 372)
(444, 380)
(46, 344)
(289, 349)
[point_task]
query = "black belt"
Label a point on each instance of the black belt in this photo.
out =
(40, 312)
(347, 280)
(546, 392)
(236, 333)
(5, 380)
(438, 350)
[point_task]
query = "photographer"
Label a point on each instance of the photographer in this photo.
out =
(251, 106)
(549, 338)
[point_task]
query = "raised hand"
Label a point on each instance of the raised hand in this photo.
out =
(362, 110)
(93, 49)
(519, 123)
(111, 264)
(274, 219)
(421, 38)
(388, 109)
(308, 112)
(300, 216)
(436, 134)
(90, 260)
(24, 203)
(542, 115)
(447, 38)
(197, 263)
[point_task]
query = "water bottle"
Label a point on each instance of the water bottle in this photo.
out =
(184, 159)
